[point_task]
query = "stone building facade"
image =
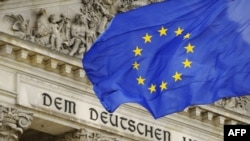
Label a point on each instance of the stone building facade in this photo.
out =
(45, 95)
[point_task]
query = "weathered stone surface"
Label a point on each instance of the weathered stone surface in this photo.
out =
(13, 123)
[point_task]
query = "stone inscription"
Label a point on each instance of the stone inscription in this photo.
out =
(59, 103)
(109, 119)
(129, 124)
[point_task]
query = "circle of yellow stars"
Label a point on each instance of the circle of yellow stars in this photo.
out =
(177, 76)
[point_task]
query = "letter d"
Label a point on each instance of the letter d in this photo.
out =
(93, 114)
(47, 101)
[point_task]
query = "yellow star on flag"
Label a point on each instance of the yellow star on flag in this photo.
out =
(140, 80)
(187, 63)
(136, 65)
(177, 76)
(152, 88)
(137, 51)
(163, 31)
(147, 38)
(189, 48)
(179, 31)
(163, 85)
(187, 36)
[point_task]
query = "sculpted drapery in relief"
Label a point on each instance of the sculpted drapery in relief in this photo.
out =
(72, 35)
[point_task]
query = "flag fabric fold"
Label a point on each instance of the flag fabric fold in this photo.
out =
(173, 54)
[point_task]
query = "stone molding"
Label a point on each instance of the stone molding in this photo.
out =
(38, 56)
(214, 115)
(86, 135)
(13, 122)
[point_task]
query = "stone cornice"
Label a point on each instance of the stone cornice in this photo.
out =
(38, 56)
(230, 116)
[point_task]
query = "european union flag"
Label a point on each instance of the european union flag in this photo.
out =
(173, 54)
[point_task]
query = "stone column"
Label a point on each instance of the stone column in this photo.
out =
(12, 123)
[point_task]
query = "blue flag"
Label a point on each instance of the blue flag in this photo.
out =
(173, 54)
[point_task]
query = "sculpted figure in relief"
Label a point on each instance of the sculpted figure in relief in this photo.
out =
(42, 30)
(78, 33)
(73, 36)
(237, 104)
(19, 25)
(91, 33)
(107, 10)
(55, 35)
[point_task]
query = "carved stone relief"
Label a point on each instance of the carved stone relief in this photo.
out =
(13, 123)
(237, 104)
(71, 35)
(85, 135)
(75, 35)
